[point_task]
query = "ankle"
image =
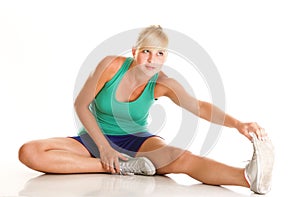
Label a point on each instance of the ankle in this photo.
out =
(246, 179)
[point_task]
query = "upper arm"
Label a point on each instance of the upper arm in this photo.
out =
(96, 80)
(177, 93)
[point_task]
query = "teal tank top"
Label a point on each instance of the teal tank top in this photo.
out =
(122, 118)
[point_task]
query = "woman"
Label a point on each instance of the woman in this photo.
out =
(113, 107)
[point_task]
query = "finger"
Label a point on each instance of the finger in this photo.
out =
(253, 135)
(106, 166)
(123, 157)
(117, 166)
(259, 133)
(264, 134)
(111, 167)
(248, 135)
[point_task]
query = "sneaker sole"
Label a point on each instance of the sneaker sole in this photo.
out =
(264, 170)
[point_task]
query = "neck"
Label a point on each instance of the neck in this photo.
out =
(136, 75)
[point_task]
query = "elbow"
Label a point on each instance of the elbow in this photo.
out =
(81, 107)
(204, 110)
(78, 106)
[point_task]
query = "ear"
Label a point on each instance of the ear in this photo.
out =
(133, 50)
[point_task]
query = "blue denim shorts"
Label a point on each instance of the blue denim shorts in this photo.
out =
(128, 144)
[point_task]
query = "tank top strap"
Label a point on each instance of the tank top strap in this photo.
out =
(151, 85)
(154, 78)
(121, 71)
(126, 64)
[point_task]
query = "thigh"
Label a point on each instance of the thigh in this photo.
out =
(60, 144)
(162, 155)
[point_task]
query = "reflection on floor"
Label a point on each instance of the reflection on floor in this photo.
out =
(18, 180)
(115, 185)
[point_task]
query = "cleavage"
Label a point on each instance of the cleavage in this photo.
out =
(128, 92)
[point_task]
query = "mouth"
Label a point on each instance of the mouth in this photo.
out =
(150, 67)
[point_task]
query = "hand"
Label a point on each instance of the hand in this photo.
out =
(109, 159)
(246, 128)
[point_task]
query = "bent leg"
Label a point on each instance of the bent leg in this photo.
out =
(59, 155)
(169, 159)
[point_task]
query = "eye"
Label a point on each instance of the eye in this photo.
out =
(160, 53)
(146, 51)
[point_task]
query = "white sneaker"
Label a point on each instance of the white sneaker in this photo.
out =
(259, 170)
(138, 165)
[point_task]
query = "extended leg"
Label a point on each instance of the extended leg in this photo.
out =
(173, 160)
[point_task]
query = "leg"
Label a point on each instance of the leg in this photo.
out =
(169, 159)
(58, 155)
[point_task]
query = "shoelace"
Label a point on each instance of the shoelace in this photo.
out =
(127, 168)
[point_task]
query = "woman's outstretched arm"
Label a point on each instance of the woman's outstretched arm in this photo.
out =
(205, 110)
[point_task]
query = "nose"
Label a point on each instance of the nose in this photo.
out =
(150, 58)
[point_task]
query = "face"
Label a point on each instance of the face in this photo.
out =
(150, 59)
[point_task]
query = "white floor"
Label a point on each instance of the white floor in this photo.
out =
(17, 180)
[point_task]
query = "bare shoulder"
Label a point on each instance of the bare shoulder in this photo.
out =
(109, 64)
(106, 69)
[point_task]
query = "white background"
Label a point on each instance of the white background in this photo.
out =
(254, 45)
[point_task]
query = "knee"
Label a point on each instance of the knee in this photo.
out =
(178, 155)
(28, 153)
(182, 161)
(177, 161)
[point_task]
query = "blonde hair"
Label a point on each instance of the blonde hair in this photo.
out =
(152, 36)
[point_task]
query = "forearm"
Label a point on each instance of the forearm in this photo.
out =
(215, 115)
(89, 122)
